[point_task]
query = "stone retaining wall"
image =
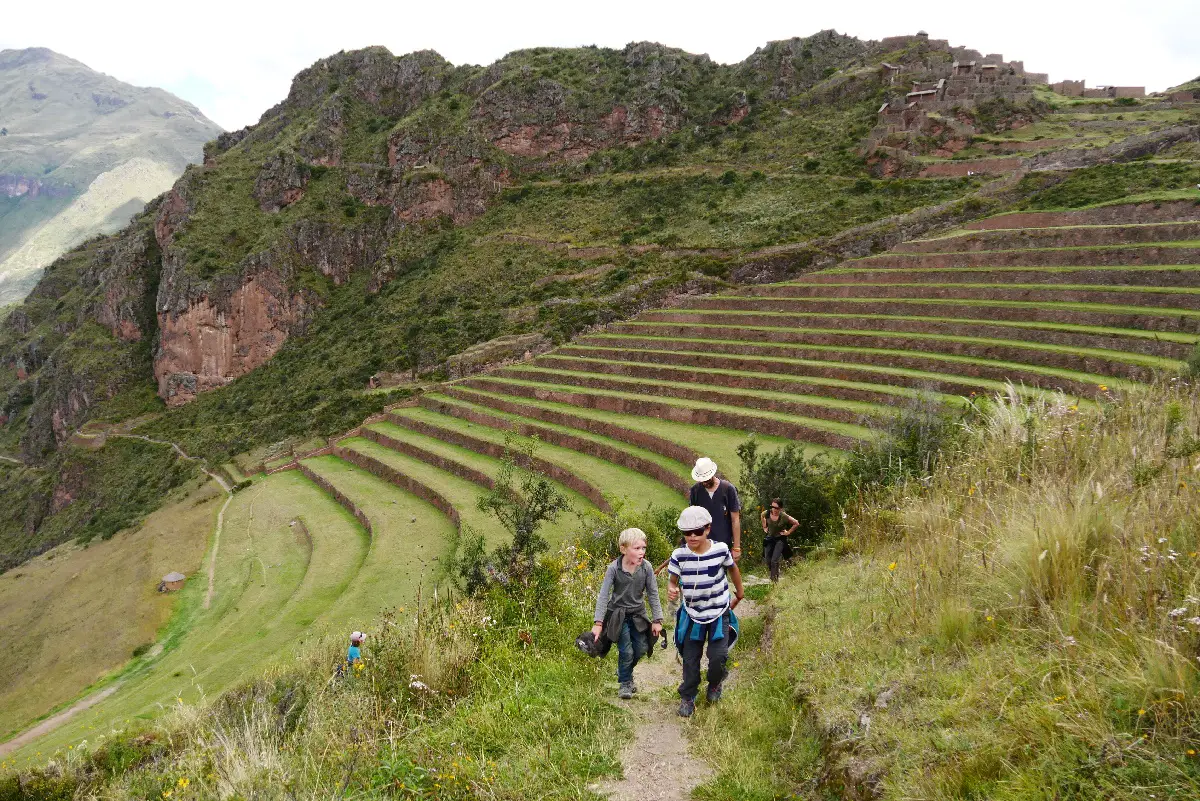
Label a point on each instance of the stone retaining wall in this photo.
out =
(450, 466)
(1129, 344)
(658, 372)
(1050, 257)
(497, 451)
(1165, 277)
(1150, 320)
(961, 169)
(1008, 352)
(1161, 211)
(1049, 294)
(554, 437)
(799, 408)
(1055, 238)
(896, 358)
(347, 504)
(682, 414)
(655, 444)
(397, 479)
(728, 362)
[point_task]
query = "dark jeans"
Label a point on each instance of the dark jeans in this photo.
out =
(773, 554)
(692, 651)
(631, 646)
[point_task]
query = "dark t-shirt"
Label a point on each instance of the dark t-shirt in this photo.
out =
(722, 502)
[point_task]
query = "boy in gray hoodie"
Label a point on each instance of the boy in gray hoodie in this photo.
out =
(620, 613)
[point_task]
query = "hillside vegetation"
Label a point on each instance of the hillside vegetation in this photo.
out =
(1022, 618)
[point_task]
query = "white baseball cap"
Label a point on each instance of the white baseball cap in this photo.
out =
(694, 518)
(704, 470)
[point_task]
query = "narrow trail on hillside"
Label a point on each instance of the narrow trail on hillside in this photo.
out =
(212, 562)
(657, 763)
(54, 721)
(10, 459)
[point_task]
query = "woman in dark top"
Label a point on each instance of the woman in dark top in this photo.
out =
(776, 525)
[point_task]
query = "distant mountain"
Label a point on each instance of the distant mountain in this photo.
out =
(80, 153)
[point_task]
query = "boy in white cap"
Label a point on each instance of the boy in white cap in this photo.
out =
(720, 498)
(699, 570)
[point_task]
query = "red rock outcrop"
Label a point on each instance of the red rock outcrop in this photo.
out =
(213, 342)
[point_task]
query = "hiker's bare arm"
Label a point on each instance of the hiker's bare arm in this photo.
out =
(795, 525)
(673, 588)
(736, 518)
(736, 575)
(762, 518)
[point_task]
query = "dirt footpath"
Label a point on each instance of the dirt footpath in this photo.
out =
(657, 763)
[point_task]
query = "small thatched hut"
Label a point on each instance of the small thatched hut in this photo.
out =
(171, 582)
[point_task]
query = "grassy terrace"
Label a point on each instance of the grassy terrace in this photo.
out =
(593, 366)
(815, 423)
(1012, 304)
(888, 376)
(877, 355)
(275, 581)
(1152, 362)
(783, 317)
(610, 478)
(463, 407)
(463, 494)
(714, 441)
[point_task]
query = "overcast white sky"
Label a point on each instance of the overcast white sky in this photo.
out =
(236, 59)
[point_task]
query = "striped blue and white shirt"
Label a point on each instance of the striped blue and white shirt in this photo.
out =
(702, 579)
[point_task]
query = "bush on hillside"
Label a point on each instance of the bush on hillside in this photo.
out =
(599, 531)
(522, 499)
(807, 486)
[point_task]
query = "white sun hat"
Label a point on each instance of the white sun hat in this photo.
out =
(694, 518)
(704, 470)
(358, 635)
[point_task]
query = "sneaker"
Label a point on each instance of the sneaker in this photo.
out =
(686, 707)
(633, 688)
(626, 691)
(714, 694)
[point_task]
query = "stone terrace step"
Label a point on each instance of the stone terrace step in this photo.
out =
(1133, 366)
(1120, 255)
(1181, 299)
(1165, 211)
(1171, 321)
(693, 412)
(829, 368)
(710, 375)
(1040, 376)
(1129, 340)
(609, 477)
(828, 407)
(1067, 237)
(642, 439)
(718, 442)
(1156, 276)
(477, 462)
(665, 471)
(1019, 357)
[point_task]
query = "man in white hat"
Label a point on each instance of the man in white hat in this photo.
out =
(720, 498)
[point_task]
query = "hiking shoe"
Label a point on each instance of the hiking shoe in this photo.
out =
(633, 688)
(714, 694)
(686, 707)
(626, 691)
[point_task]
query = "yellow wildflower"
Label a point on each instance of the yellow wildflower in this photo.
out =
(892, 566)
(1141, 712)
(183, 782)
(166, 794)
(990, 618)
(1191, 752)
(971, 491)
(1104, 388)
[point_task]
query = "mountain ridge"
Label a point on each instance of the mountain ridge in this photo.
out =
(64, 126)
